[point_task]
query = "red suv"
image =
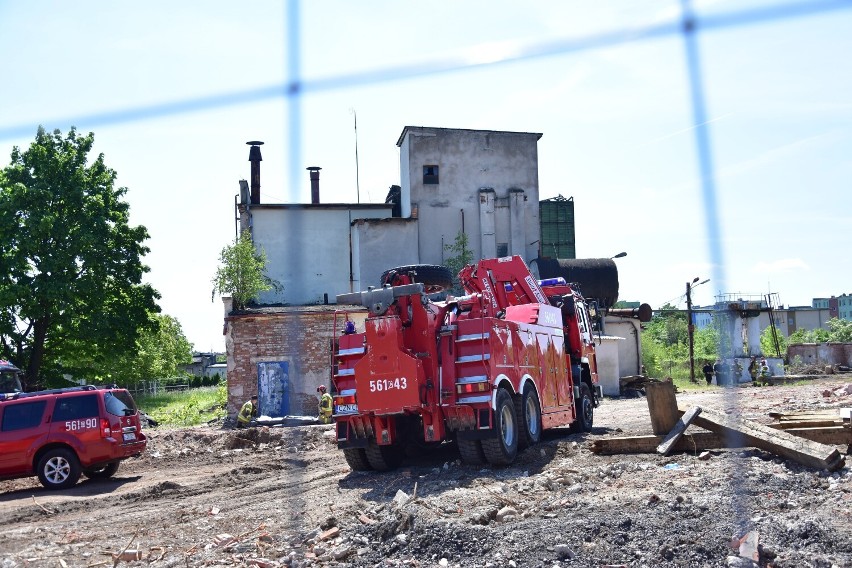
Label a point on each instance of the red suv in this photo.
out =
(59, 434)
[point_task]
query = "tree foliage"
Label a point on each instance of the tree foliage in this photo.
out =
(159, 351)
(462, 256)
(70, 264)
(767, 342)
(665, 344)
(838, 330)
(242, 272)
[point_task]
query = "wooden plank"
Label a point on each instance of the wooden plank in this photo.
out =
(702, 440)
(647, 444)
(827, 414)
(678, 430)
(789, 424)
(662, 405)
(742, 432)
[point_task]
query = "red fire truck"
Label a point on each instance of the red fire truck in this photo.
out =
(490, 369)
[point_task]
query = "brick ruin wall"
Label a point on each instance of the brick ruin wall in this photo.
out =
(301, 338)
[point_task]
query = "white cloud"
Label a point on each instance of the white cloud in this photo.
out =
(780, 265)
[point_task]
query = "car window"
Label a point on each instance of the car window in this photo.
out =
(119, 403)
(73, 407)
(22, 415)
(9, 382)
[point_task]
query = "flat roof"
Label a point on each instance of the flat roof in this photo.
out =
(405, 129)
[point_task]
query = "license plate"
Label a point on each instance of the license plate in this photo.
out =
(346, 409)
(130, 437)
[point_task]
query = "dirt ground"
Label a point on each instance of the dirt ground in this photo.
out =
(272, 497)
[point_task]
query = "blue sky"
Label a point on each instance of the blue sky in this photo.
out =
(617, 123)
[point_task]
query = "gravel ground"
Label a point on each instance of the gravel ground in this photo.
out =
(273, 497)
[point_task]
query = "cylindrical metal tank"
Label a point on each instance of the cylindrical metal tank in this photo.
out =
(597, 278)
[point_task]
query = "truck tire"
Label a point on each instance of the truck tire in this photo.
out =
(528, 409)
(585, 411)
(471, 451)
(103, 472)
(383, 458)
(58, 468)
(357, 459)
(503, 449)
(435, 278)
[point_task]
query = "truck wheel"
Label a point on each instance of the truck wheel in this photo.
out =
(103, 472)
(58, 468)
(384, 458)
(503, 449)
(471, 451)
(434, 278)
(357, 459)
(528, 409)
(585, 411)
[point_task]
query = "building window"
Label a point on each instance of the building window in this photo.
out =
(502, 249)
(430, 174)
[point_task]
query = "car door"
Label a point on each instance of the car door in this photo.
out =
(76, 419)
(22, 424)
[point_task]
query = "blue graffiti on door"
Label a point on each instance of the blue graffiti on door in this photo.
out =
(273, 381)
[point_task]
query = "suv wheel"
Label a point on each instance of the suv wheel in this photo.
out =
(102, 472)
(58, 468)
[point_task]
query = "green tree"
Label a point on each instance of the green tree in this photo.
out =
(160, 349)
(665, 347)
(767, 342)
(70, 263)
(242, 272)
(706, 344)
(462, 256)
(838, 330)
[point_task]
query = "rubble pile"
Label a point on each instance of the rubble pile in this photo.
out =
(284, 497)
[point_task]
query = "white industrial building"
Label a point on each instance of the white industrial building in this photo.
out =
(483, 184)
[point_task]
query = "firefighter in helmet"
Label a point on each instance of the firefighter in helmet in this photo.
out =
(325, 403)
(247, 412)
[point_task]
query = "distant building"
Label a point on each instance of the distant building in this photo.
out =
(838, 306)
(786, 319)
(201, 365)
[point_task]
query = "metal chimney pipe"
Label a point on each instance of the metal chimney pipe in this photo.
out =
(315, 198)
(255, 159)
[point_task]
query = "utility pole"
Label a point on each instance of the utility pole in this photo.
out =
(690, 329)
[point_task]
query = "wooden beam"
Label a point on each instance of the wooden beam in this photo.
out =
(789, 424)
(748, 433)
(694, 442)
(702, 440)
(678, 430)
(662, 405)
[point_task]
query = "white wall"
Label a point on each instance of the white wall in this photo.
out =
(381, 244)
(629, 350)
(468, 161)
(606, 354)
(307, 249)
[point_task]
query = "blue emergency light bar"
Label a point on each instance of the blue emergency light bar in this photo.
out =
(558, 281)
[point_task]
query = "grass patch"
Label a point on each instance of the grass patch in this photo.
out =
(185, 408)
